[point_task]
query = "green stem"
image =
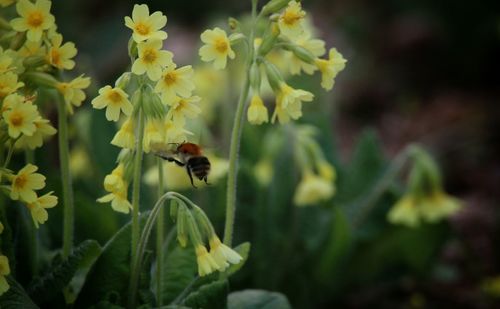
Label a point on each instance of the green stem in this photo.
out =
(136, 189)
(160, 232)
(235, 140)
(10, 152)
(68, 213)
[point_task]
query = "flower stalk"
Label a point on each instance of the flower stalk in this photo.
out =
(160, 232)
(136, 189)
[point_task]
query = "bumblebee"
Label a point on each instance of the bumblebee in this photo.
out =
(191, 156)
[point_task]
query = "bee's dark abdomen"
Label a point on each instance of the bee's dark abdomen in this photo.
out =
(199, 166)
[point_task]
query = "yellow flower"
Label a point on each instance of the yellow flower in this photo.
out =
(184, 107)
(118, 187)
(125, 137)
(257, 112)
(114, 99)
(175, 82)
(291, 19)
(174, 132)
(43, 129)
(35, 18)
(151, 59)
(118, 201)
(20, 117)
(217, 47)
(145, 26)
(9, 84)
(37, 208)
(315, 46)
(263, 172)
(5, 61)
(330, 68)
(153, 133)
(79, 162)
(25, 183)
(31, 48)
(326, 170)
(313, 189)
(222, 254)
(4, 271)
(439, 205)
(206, 263)
(289, 103)
(405, 212)
(60, 56)
(73, 91)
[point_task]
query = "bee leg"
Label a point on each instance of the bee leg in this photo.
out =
(205, 179)
(170, 159)
(190, 176)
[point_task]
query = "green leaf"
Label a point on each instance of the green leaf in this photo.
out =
(257, 299)
(109, 276)
(212, 295)
(243, 250)
(50, 284)
(179, 269)
(15, 297)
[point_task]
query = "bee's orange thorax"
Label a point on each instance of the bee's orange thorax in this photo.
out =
(189, 148)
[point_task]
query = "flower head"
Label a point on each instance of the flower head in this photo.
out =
(145, 26)
(60, 56)
(291, 20)
(151, 59)
(330, 68)
(4, 271)
(175, 82)
(222, 254)
(73, 91)
(313, 189)
(20, 116)
(9, 84)
(114, 100)
(217, 47)
(184, 107)
(25, 182)
(206, 263)
(153, 133)
(119, 201)
(315, 46)
(118, 187)
(35, 18)
(38, 208)
(125, 137)
(257, 112)
(289, 103)
(43, 129)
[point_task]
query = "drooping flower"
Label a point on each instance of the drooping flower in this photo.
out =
(289, 103)
(9, 84)
(257, 112)
(43, 130)
(263, 171)
(60, 56)
(315, 46)
(184, 107)
(151, 59)
(313, 189)
(20, 117)
(439, 206)
(38, 208)
(217, 47)
(291, 20)
(222, 254)
(125, 137)
(73, 91)
(119, 201)
(118, 187)
(35, 18)
(114, 100)
(405, 212)
(206, 263)
(145, 26)
(175, 82)
(326, 170)
(4, 271)
(25, 182)
(330, 68)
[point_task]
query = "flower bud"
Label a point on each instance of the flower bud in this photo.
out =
(132, 48)
(182, 225)
(123, 81)
(274, 6)
(255, 77)
(173, 209)
(193, 230)
(18, 41)
(126, 158)
(41, 79)
(273, 76)
(269, 40)
(34, 61)
(301, 53)
(152, 105)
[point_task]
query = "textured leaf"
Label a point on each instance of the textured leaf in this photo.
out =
(16, 297)
(257, 299)
(244, 250)
(209, 296)
(50, 284)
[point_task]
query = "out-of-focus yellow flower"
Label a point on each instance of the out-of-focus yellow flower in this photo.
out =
(222, 254)
(491, 286)
(115, 181)
(205, 77)
(153, 133)
(5, 3)
(174, 133)
(35, 18)
(330, 68)
(125, 137)
(31, 48)
(314, 46)
(326, 170)
(263, 171)
(217, 47)
(257, 112)
(20, 118)
(25, 182)
(206, 263)
(60, 55)
(118, 187)
(73, 91)
(405, 212)
(114, 100)
(79, 162)
(182, 108)
(145, 26)
(4, 271)
(9, 84)
(151, 59)
(289, 103)
(119, 201)
(439, 206)
(38, 208)
(175, 82)
(291, 19)
(5, 61)
(313, 189)
(43, 130)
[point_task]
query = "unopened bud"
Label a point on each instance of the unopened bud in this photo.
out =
(34, 61)
(152, 105)
(274, 6)
(255, 77)
(234, 24)
(182, 225)
(269, 40)
(273, 76)
(123, 81)
(18, 41)
(301, 53)
(132, 48)
(41, 79)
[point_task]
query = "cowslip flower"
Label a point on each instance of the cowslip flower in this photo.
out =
(43, 130)
(439, 205)
(35, 18)
(25, 182)
(9, 84)
(151, 59)
(175, 82)
(263, 171)
(291, 20)
(315, 46)
(31, 48)
(38, 208)
(174, 132)
(222, 254)
(206, 263)
(257, 112)
(217, 47)
(145, 26)
(20, 118)
(330, 68)
(313, 189)
(184, 107)
(125, 137)
(4, 271)
(59, 55)
(114, 100)
(119, 201)
(153, 133)
(115, 181)
(289, 103)
(326, 170)
(5, 61)
(73, 91)
(405, 212)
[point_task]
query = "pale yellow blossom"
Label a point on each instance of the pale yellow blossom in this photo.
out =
(151, 59)
(114, 100)
(35, 18)
(145, 26)
(217, 47)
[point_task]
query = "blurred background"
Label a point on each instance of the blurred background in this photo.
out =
(417, 71)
